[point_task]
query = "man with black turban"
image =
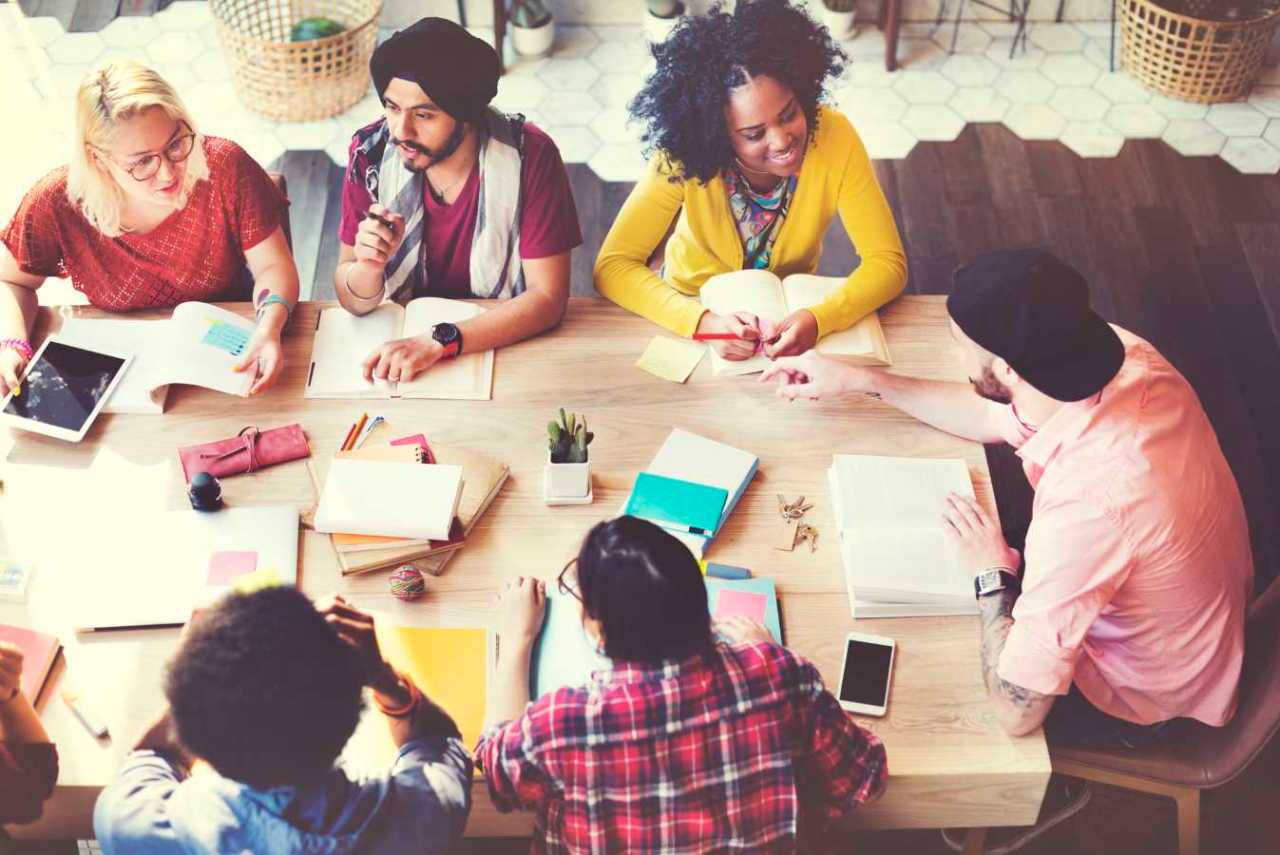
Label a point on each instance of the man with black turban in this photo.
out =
(447, 197)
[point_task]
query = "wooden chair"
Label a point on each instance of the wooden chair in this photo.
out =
(1208, 757)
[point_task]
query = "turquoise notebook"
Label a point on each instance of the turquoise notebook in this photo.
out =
(754, 598)
(680, 505)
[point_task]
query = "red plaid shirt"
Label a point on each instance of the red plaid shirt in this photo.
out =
(708, 754)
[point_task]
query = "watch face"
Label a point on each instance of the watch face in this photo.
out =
(989, 581)
(445, 333)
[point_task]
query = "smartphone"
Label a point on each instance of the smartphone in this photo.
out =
(867, 672)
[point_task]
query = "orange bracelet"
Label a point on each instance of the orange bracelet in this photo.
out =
(415, 697)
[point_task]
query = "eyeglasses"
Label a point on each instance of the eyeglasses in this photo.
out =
(178, 150)
(568, 586)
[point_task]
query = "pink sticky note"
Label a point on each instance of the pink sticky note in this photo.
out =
(227, 565)
(745, 603)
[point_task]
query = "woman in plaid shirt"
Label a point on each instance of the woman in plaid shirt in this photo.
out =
(687, 743)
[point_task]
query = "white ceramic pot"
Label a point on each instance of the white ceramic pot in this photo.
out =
(567, 480)
(657, 29)
(534, 41)
(840, 24)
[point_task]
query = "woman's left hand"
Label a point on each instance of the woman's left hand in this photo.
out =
(797, 333)
(265, 354)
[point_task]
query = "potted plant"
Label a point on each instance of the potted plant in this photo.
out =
(661, 17)
(838, 16)
(533, 30)
(567, 478)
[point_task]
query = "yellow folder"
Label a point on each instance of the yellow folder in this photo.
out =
(450, 666)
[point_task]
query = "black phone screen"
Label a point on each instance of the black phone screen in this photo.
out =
(866, 673)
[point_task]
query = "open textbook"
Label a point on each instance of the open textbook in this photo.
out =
(344, 340)
(198, 345)
(889, 514)
(764, 295)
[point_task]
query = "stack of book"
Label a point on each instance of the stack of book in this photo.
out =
(380, 515)
(898, 561)
(691, 486)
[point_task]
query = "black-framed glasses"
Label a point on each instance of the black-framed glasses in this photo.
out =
(569, 586)
(178, 150)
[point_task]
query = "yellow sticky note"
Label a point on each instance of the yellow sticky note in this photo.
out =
(670, 358)
(450, 666)
(702, 565)
(247, 583)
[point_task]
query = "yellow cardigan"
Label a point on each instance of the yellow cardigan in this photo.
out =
(836, 177)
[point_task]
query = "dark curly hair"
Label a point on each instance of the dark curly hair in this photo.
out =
(681, 105)
(264, 689)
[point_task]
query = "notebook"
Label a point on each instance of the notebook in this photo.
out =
(197, 345)
(397, 499)
(451, 666)
(152, 569)
(482, 479)
(756, 598)
(683, 506)
(691, 457)
(343, 340)
(39, 652)
(889, 514)
(764, 295)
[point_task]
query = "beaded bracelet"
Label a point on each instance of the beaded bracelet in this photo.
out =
(19, 344)
(266, 298)
(415, 697)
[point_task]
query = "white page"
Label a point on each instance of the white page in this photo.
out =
(903, 565)
(896, 491)
(342, 342)
(756, 291)
(389, 499)
(141, 390)
(864, 340)
(469, 377)
(690, 457)
(151, 569)
(197, 352)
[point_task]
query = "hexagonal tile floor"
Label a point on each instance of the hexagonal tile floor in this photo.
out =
(1059, 87)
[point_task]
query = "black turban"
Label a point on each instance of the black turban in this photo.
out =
(458, 71)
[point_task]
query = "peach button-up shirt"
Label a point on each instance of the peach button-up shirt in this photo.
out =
(1138, 566)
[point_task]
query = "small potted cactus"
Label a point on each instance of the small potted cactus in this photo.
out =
(568, 471)
(838, 17)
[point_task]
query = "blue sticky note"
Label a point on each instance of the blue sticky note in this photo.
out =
(224, 336)
(564, 654)
(680, 505)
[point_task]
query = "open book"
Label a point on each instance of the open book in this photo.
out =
(764, 295)
(198, 345)
(889, 513)
(344, 340)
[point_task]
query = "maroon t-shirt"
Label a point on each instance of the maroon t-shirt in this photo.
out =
(548, 216)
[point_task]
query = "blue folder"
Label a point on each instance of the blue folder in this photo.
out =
(678, 505)
(758, 585)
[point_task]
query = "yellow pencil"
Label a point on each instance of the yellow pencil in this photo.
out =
(364, 417)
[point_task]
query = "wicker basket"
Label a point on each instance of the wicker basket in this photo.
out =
(297, 81)
(1190, 58)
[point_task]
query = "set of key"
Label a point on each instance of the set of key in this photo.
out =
(795, 530)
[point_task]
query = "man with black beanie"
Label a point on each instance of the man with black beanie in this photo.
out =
(1123, 621)
(447, 197)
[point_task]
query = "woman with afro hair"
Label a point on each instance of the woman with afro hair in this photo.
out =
(754, 166)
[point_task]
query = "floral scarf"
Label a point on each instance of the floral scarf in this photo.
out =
(758, 216)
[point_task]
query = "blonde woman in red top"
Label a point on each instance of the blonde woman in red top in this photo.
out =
(149, 213)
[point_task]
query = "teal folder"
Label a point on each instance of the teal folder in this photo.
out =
(679, 505)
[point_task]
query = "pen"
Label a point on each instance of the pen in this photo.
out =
(368, 429)
(359, 426)
(370, 215)
(90, 722)
(716, 336)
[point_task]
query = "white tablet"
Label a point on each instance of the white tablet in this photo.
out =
(63, 390)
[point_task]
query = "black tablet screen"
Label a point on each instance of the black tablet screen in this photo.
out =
(64, 385)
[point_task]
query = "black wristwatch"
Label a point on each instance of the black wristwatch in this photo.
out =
(995, 579)
(449, 337)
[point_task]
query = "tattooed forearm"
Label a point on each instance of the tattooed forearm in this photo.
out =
(996, 612)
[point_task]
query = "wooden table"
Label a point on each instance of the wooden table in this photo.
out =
(950, 762)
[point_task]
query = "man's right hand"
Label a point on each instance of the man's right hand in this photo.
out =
(743, 325)
(12, 363)
(375, 242)
(814, 377)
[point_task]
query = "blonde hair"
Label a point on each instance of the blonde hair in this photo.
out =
(112, 93)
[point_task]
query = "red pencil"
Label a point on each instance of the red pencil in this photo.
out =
(715, 336)
(350, 431)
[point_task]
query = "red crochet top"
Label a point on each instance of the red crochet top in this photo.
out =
(195, 254)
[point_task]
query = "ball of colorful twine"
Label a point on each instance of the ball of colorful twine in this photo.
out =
(407, 583)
